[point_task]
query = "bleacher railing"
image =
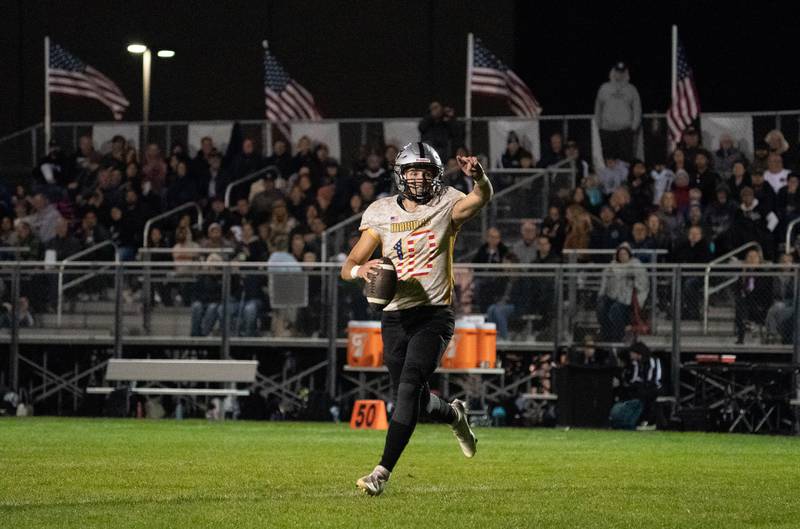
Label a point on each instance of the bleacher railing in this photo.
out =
(531, 304)
(23, 148)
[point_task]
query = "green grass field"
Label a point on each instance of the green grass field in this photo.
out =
(139, 473)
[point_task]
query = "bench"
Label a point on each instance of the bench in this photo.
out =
(216, 371)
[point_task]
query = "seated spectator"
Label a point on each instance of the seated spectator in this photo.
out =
(215, 241)
(280, 226)
(248, 161)
(778, 320)
(680, 191)
(302, 155)
(612, 175)
(242, 214)
(296, 202)
(594, 194)
(656, 231)
(161, 289)
(525, 247)
(26, 238)
(375, 173)
(694, 251)
(572, 152)
(663, 179)
(642, 379)
(763, 191)
(154, 170)
(787, 204)
(776, 175)
(579, 228)
(254, 298)
(510, 302)
(719, 216)
(727, 155)
(777, 143)
(183, 241)
(44, 218)
(182, 189)
(740, 178)
(206, 298)
(640, 187)
(218, 178)
(219, 214)
(24, 315)
(263, 195)
(513, 154)
(587, 354)
(623, 279)
(620, 202)
(6, 231)
(554, 152)
(754, 222)
(609, 234)
(760, 154)
(753, 294)
(678, 161)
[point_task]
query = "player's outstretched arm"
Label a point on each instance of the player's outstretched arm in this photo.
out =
(356, 265)
(481, 194)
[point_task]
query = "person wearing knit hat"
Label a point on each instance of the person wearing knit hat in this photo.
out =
(622, 279)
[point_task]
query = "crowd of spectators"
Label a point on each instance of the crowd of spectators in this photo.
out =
(691, 207)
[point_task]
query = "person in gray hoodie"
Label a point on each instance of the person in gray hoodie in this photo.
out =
(624, 276)
(618, 113)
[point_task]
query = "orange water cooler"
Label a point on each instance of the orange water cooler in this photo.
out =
(364, 344)
(462, 351)
(487, 344)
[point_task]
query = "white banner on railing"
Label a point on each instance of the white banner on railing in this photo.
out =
(220, 134)
(739, 127)
(327, 133)
(102, 133)
(399, 133)
(527, 132)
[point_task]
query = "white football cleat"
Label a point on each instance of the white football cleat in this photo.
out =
(466, 438)
(374, 482)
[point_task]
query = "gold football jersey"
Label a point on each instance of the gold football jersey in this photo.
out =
(420, 244)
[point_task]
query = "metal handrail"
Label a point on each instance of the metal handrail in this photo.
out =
(251, 176)
(334, 228)
(169, 213)
(72, 258)
(789, 229)
(707, 277)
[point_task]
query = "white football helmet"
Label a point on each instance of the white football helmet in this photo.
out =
(422, 156)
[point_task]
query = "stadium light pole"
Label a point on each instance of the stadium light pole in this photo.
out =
(147, 57)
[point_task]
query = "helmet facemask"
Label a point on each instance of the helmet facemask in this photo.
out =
(423, 189)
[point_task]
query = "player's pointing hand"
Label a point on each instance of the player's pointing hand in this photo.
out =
(469, 165)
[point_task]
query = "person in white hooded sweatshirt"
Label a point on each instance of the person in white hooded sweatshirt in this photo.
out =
(618, 113)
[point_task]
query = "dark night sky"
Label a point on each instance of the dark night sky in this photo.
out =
(387, 59)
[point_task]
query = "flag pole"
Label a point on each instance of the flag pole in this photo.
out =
(267, 147)
(47, 118)
(468, 94)
(674, 84)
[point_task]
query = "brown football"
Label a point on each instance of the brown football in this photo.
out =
(381, 287)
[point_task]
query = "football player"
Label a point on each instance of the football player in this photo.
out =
(417, 229)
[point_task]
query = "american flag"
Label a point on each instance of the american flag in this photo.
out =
(685, 106)
(286, 99)
(490, 76)
(67, 74)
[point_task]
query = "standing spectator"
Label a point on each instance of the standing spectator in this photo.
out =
(161, 289)
(640, 187)
(754, 222)
(662, 178)
(704, 178)
(134, 218)
(201, 163)
(694, 251)
(554, 152)
(554, 228)
(525, 247)
(778, 320)
(440, 130)
(642, 380)
(303, 156)
(492, 251)
(776, 175)
(719, 216)
(62, 246)
(621, 280)
(280, 158)
(116, 157)
(690, 145)
(618, 113)
(726, 156)
(612, 175)
(753, 295)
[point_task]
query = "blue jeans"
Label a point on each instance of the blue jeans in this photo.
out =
(206, 315)
(249, 319)
(499, 314)
(613, 317)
